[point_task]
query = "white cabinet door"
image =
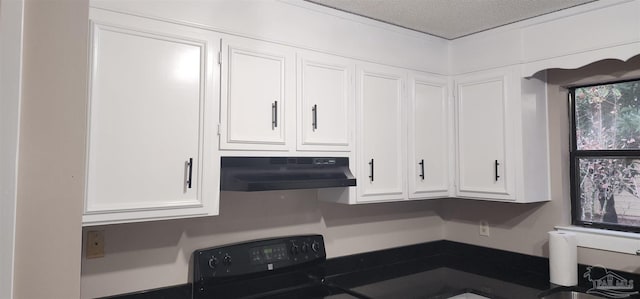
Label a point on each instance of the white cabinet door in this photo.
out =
(428, 140)
(381, 133)
(326, 102)
(151, 110)
(257, 88)
(483, 136)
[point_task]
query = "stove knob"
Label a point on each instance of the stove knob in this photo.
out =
(213, 262)
(295, 249)
(227, 259)
(305, 247)
(315, 246)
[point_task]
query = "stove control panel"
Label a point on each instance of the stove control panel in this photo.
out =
(257, 256)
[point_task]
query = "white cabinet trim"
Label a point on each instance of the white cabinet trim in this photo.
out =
(555, 40)
(622, 52)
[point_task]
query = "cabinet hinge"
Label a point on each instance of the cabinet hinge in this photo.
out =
(220, 57)
(218, 129)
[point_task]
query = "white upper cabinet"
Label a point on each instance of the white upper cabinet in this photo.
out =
(326, 102)
(151, 150)
(501, 136)
(483, 137)
(381, 133)
(428, 112)
(258, 95)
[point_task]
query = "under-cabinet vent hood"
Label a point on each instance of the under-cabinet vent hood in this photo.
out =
(283, 173)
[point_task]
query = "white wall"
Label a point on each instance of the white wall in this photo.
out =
(523, 228)
(51, 150)
(10, 60)
(141, 256)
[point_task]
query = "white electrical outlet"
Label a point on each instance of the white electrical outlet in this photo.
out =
(484, 228)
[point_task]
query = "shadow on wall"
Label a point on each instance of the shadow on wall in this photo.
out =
(336, 215)
(244, 216)
(514, 227)
(246, 211)
(498, 214)
(163, 241)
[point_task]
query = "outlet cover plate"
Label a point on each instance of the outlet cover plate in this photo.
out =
(484, 228)
(95, 244)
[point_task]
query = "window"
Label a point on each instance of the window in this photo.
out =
(605, 155)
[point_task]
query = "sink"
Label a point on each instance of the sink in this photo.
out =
(569, 295)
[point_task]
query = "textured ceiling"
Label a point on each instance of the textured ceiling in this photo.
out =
(450, 19)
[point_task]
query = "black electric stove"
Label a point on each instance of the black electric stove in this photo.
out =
(286, 267)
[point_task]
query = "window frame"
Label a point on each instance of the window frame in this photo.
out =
(575, 155)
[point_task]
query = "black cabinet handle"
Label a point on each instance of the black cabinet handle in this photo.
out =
(371, 165)
(421, 169)
(190, 165)
(274, 115)
(314, 123)
(496, 168)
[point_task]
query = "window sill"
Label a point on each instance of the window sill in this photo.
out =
(615, 241)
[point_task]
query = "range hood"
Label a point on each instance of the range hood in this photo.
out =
(283, 173)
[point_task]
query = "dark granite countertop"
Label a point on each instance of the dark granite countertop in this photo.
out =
(438, 269)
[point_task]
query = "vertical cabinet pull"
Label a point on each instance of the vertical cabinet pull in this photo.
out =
(314, 123)
(421, 169)
(190, 173)
(274, 115)
(496, 169)
(371, 165)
